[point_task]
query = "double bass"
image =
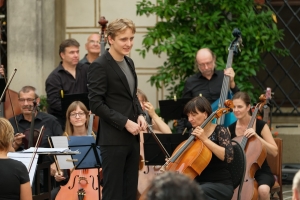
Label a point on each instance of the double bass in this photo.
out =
(256, 154)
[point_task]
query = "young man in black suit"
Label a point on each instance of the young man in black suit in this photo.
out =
(112, 95)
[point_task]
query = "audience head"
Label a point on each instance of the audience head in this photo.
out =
(119, 26)
(92, 44)
(69, 51)
(197, 110)
(76, 115)
(205, 62)
(175, 186)
(6, 135)
(296, 186)
(27, 97)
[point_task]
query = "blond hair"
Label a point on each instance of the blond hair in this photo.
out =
(119, 26)
(6, 134)
(296, 181)
(69, 129)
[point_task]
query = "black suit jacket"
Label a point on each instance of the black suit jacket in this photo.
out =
(111, 99)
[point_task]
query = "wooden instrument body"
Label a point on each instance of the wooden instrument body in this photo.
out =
(82, 185)
(256, 154)
(192, 161)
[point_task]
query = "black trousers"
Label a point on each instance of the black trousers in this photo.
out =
(217, 191)
(120, 171)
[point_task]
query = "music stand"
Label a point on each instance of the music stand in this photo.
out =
(90, 154)
(171, 109)
(67, 99)
(153, 154)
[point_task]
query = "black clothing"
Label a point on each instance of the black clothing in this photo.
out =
(216, 176)
(61, 80)
(13, 173)
(210, 89)
(112, 100)
(263, 176)
(51, 125)
(84, 60)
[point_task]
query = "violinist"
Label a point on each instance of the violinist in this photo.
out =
(215, 179)
(15, 183)
(92, 47)
(158, 125)
(207, 82)
(28, 98)
(261, 131)
(77, 116)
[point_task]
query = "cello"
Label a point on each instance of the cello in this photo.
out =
(256, 154)
(191, 157)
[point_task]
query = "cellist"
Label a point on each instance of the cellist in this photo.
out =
(77, 118)
(261, 131)
(215, 179)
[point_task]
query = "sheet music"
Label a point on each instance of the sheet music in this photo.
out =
(65, 161)
(45, 150)
(25, 159)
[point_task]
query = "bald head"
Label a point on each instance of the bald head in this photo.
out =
(205, 61)
(93, 44)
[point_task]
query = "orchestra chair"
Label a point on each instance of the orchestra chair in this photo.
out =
(275, 164)
(237, 167)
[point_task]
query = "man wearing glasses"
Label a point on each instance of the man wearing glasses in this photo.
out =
(92, 46)
(208, 82)
(21, 123)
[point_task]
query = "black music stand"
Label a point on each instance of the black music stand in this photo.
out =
(89, 156)
(67, 99)
(153, 154)
(173, 109)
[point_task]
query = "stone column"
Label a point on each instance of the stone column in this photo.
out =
(31, 29)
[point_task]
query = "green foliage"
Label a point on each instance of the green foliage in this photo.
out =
(186, 26)
(43, 103)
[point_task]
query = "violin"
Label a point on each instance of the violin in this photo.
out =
(256, 154)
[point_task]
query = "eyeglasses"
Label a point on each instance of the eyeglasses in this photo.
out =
(94, 42)
(205, 64)
(29, 100)
(80, 114)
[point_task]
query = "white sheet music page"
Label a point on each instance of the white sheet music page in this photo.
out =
(25, 159)
(64, 161)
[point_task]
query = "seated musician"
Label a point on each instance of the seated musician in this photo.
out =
(15, 183)
(158, 125)
(77, 118)
(263, 176)
(22, 122)
(215, 179)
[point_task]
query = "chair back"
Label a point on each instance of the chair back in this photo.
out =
(275, 164)
(237, 167)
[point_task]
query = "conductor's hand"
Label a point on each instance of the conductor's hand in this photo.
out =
(132, 127)
(59, 177)
(142, 123)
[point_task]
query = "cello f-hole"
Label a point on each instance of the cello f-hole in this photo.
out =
(71, 187)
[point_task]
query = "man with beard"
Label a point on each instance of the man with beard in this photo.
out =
(70, 77)
(92, 46)
(21, 123)
(207, 83)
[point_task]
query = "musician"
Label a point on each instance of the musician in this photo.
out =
(296, 186)
(77, 117)
(112, 94)
(215, 179)
(70, 77)
(261, 131)
(28, 98)
(15, 183)
(158, 125)
(175, 186)
(207, 82)
(92, 47)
